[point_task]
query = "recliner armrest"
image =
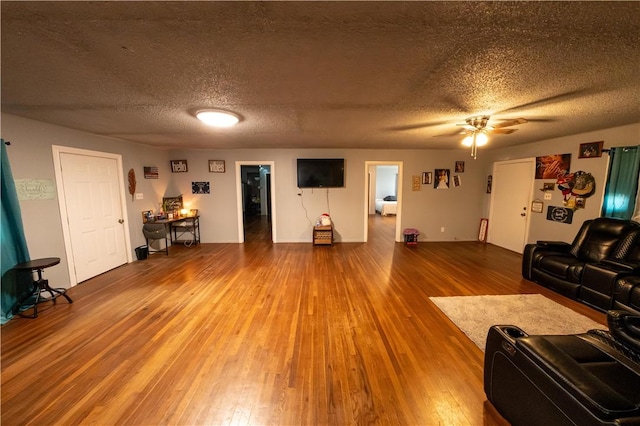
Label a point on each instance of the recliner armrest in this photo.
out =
(625, 327)
(555, 245)
(621, 265)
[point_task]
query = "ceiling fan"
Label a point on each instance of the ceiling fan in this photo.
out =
(477, 128)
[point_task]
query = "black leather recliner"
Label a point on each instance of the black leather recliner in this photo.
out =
(600, 281)
(603, 250)
(585, 379)
(627, 294)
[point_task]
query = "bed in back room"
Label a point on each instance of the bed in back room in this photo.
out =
(387, 205)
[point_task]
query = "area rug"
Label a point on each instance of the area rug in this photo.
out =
(533, 313)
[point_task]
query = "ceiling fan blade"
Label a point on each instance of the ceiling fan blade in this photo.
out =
(456, 133)
(467, 127)
(567, 96)
(509, 123)
(495, 131)
(416, 126)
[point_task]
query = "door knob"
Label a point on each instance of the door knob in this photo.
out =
(120, 221)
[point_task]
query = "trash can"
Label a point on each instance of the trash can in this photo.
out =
(411, 236)
(142, 252)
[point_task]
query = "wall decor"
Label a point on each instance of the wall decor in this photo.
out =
(580, 202)
(150, 172)
(489, 183)
(171, 203)
(35, 189)
(482, 230)
(537, 205)
(427, 178)
(132, 183)
(552, 166)
(590, 149)
(584, 184)
(456, 181)
(200, 188)
(459, 167)
(559, 214)
(415, 183)
(548, 186)
(178, 166)
(216, 166)
(441, 180)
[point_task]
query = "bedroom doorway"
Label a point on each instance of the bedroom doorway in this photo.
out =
(256, 216)
(383, 195)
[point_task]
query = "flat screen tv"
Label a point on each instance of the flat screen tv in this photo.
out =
(320, 172)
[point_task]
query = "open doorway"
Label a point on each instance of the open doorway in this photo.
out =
(255, 206)
(383, 195)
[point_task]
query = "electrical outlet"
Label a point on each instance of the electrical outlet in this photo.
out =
(442, 229)
(139, 196)
(547, 195)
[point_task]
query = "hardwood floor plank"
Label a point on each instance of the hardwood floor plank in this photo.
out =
(259, 333)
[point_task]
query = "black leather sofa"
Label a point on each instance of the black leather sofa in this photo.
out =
(590, 269)
(585, 379)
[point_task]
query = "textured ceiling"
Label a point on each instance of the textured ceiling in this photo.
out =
(322, 75)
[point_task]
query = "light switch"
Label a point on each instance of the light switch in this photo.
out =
(547, 195)
(139, 195)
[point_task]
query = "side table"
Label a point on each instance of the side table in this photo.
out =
(41, 284)
(323, 235)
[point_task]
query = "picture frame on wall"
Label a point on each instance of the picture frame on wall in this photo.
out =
(216, 166)
(427, 178)
(178, 166)
(459, 167)
(441, 178)
(552, 166)
(151, 172)
(590, 149)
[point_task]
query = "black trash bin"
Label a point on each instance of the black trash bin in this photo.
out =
(142, 252)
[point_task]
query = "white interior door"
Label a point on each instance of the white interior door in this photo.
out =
(510, 201)
(91, 199)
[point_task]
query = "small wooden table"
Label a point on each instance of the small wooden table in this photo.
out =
(41, 284)
(323, 234)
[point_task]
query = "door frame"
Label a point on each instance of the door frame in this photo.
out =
(272, 168)
(367, 164)
(62, 202)
(492, 205)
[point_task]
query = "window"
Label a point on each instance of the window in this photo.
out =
(621, 190)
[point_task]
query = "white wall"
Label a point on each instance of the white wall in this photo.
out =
(31, 157)
(386, 181)
(540, 227)
(457, 210)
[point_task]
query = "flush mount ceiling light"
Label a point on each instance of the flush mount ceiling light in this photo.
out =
(217, 118)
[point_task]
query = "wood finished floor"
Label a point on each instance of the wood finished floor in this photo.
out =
(262, 333)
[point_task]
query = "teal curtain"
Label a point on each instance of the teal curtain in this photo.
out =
(622, 183)
(15, 285)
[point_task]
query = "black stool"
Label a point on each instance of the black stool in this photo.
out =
(41, 284)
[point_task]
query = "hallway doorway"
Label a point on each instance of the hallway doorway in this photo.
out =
(383, 197)
(255, 201)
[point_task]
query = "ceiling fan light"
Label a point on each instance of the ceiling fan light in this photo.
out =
(482, 139)
(217, 118)
(467, 141)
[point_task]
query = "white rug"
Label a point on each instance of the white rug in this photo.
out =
(533, 313)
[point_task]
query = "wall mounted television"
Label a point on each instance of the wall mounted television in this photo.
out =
(320, 172)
